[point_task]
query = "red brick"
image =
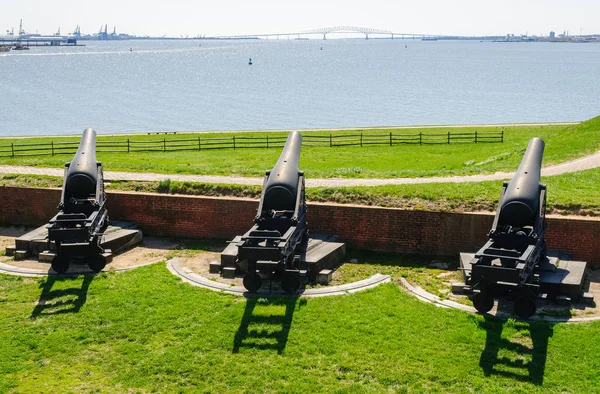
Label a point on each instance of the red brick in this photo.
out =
(374, 228)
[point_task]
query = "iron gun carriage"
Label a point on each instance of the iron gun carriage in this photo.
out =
(509, 261)
(76, 231)
(280, 226)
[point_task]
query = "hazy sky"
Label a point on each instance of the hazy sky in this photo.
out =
(225, 17)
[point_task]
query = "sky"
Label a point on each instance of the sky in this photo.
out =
(236, 17)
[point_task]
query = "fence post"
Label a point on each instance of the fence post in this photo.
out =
(199, 144)
(128, 146)
(52, 148)
(234, 142)
(164, 144)
(502, 136)
(330, 140)
(361, 140)
(390, 139)
(448, 137)
(475, 136)
(267, 141)
(420, 138)
(12, 148)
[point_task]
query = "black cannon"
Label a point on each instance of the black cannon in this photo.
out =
(280, 227)
(509, 261)
(74, 234)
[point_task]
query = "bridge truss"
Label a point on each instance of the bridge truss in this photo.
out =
(348, 29)
(337, 30)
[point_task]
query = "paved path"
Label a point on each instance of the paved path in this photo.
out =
(584, 163)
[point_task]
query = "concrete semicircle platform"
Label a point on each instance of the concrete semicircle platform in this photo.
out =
(119, 236)
(74, 270)
(425, 296)
(150, 251)
(194, 279)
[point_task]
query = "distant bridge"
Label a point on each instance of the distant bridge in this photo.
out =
(348, 29)
(337, 30)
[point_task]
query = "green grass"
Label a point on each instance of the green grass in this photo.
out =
(562, 143)
(146, 331)
(417, 269)
(573, 193)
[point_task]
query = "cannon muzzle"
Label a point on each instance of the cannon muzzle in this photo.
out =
(281, 188)
(521, 201)
(82, 175)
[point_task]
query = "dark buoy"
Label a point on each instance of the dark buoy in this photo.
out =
(405, 46)
(321, 48)
(130, 49)
(250, 61)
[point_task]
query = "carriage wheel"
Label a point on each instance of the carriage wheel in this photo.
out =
(97, 263)
(290, 283)
(525, 307)
(60, 264)
(252, 281)
(483, 302)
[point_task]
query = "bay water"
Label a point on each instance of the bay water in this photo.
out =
(206, 85)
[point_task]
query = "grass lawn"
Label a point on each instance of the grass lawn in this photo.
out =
(573, 193)
(417, 269)
(562, 143)
(146, 331)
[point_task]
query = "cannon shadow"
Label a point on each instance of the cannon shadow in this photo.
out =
(55, 302)
(523, 357)
(266, 331)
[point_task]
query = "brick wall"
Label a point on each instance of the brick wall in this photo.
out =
(371, 228)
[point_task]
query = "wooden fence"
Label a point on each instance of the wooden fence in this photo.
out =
(200, 143)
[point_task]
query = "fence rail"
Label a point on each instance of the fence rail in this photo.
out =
(250, 142)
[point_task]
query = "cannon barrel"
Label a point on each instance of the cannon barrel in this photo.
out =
(82, 175)
(281, 187)
(520, 204)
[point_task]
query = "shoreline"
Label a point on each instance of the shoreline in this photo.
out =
(417, 127)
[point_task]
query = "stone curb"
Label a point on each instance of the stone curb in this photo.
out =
(425, 296)
(197, 280)
(18, 271)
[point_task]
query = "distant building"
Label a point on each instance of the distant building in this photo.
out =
(552, 34)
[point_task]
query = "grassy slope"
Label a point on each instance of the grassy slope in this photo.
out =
(577, 193)
(562, 143)
(146, 331)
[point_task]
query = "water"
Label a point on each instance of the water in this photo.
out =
(208, 85)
